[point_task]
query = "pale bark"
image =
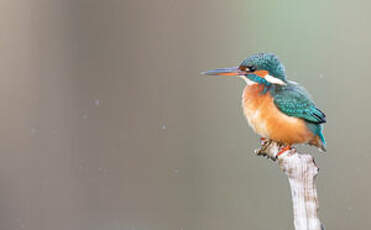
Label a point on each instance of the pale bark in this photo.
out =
(302, 172)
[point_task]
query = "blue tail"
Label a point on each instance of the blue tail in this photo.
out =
(317, 130)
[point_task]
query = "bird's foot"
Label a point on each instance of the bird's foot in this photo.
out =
(283, 149)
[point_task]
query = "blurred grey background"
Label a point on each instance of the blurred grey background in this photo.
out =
(107, 124)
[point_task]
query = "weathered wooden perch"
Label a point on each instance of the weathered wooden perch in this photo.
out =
(302, 172)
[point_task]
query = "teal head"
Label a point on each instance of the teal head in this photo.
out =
(262, 68)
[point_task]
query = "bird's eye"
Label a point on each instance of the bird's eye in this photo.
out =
(251, 68)
(247, 68)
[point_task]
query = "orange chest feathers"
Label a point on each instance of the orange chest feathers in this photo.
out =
(268, 121)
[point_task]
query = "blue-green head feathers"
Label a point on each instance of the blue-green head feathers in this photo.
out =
(268, 62)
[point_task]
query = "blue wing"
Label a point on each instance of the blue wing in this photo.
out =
(293, 100)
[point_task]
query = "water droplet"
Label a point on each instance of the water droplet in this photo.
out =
(34, 131)
(176, 171)
(97, 102)
(163, 127)
(82, 165)
(321, 75)
(84, 116)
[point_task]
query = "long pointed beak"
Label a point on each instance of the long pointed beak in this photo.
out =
(233, 71)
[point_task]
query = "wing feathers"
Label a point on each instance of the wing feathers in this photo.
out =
(294, 101)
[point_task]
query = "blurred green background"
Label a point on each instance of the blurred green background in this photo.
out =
(107, 124)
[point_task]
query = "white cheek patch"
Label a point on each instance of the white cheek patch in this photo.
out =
(274, 80)
(248, 81)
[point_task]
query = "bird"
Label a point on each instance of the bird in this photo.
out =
(276, 108)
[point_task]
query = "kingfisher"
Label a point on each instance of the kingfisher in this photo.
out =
(276, 108)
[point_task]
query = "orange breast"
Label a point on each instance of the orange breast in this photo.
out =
(268, 121)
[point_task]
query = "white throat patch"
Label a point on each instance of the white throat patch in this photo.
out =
(248, 81)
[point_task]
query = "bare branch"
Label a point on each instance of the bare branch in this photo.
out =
(302, 172)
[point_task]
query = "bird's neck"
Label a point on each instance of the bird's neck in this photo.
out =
(252, 92)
